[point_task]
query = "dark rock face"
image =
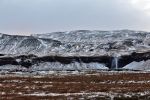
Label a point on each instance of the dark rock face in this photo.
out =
(67, 60)
(126, 59)
(8, 60)
(29, 60)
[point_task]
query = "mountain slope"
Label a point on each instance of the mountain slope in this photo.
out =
(81, 42)
(75, 50)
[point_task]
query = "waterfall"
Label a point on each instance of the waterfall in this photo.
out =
(115, 60)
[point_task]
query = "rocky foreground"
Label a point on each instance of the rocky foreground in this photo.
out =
(76, 86)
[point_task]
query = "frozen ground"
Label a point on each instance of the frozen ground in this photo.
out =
(102, 85)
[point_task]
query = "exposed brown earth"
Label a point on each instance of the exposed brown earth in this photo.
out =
(95, 86)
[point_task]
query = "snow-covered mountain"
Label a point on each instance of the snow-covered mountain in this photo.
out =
(80, 49)
(81, 42)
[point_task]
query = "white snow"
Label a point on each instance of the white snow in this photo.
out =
(56, 66)
(77, 43)
(82, 42)
(142, 65)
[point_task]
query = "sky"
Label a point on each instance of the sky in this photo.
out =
(25, 17)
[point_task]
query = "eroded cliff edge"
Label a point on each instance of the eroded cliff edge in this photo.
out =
(76, 50)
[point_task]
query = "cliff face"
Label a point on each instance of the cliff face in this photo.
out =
(81, 49)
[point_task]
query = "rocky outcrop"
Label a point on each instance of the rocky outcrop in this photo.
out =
(29, 60)
(108, 61)
(112, 49)
(134, 57)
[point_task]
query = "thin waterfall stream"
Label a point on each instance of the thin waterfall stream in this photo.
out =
(115, 61)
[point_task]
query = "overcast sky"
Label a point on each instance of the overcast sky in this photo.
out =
(42, 16)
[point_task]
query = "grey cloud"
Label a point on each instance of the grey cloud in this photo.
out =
(40, 16)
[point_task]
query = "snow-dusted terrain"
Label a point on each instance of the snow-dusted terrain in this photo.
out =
(121, 48)
(81, 42)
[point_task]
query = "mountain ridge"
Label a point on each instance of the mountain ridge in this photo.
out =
(78, 42)
(80, 50)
